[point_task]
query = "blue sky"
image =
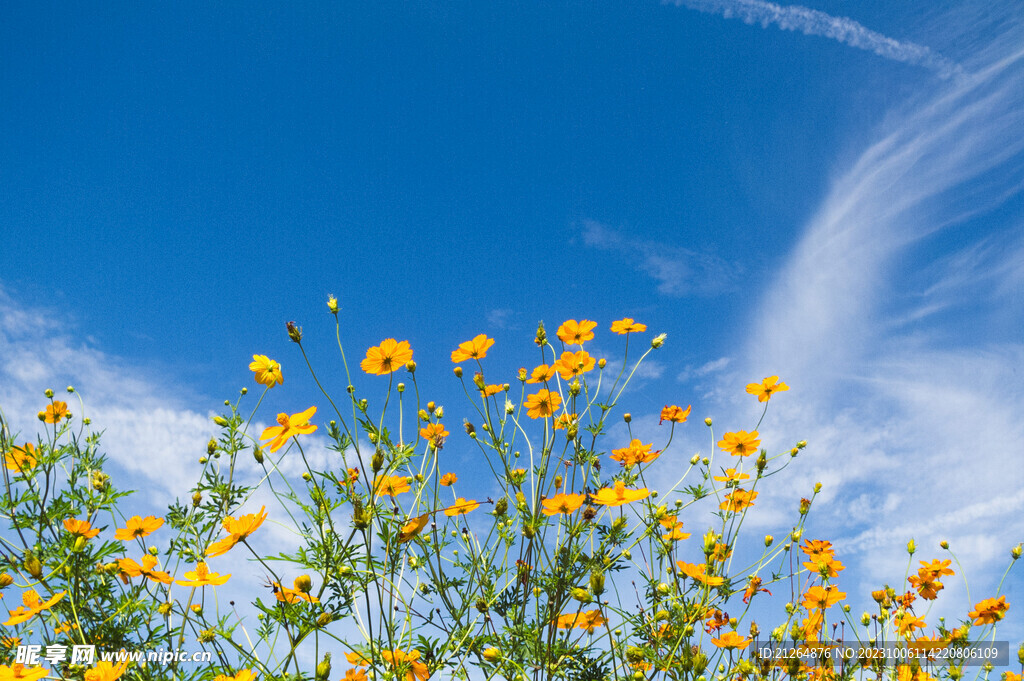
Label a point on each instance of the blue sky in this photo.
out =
(829, 192)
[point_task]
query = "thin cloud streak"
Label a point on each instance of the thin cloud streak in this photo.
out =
(814, 22)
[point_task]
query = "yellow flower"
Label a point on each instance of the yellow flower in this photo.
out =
(409, 662)
(574, 364)
(822, 597)
(243, 675)
(106, 671)
(541, 374)
(81, 528)
(31, 607)
(288, 426)
(543, 403)
(449, 479)
(138, 527)
(738, 500)
(355, 675)
(412, 528)
(492, 389)
(766, 388)
(387, 357)
(472, 349)
(202, 576)
(461, 507)
(936, 568)
(237, 530)
(730, 475)
(391, 485)
(989, 611)
(635, 453)
(286, 595)
(268, 372)
(699, 573)
(731, 639)
(55, 412)
(434, 432)
(22, 458)
(674, 414)
(565, 420)
(619, 495)
(19, 672)
(627, 325)
(562, 503)
(132, 569)
(740, 443)
(573, 333)
(584, 620)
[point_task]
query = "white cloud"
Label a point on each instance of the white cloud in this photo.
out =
(814, 22)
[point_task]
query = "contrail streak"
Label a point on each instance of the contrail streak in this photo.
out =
(813, 22)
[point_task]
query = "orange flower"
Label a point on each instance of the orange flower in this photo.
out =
(387, 357)
(740, 443)
(699, 573)
(412, 528)
(730, 640)
(391, 485)
(715, 620)
(737, 500)
(587, 621)
(268, 372)
(288, 426)
(19, 672)
(753, 587)
(936, 568)
(492, 389)
(543, 403)
(927, 586)
(619, 495)
(826, 566)
(573, 333)
(202, 576)
(730, 475)
(822, 597)
(635, 453)
(408, 662)
(55, 412)
(676, 533)
(989, 611)
(286, 595)
(817, 549)
(906, 623)
(21, 459)
(449, 479)
(627, 325)
(132, 569)
(674, 414)
(541, 374)
(472, 349)
(243, 675)
(766, 388)
(82, 528)
(573, 364)
(562, 503)
(106, 671)
(565, 420)
(238, 530)
(31, 607)
(433, 432)
(461, 507)
(138, 527)
(354, 675)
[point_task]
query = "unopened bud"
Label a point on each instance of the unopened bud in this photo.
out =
(817, 487)
(582, 595)
(707, 421)
(602, 363)
(401, 387)
(294, 332)
(323, 670)
(211, 446)
(377, 462)
(574, 387)
(944, 544)
(558, 482)
(627, 417)
(48, 393)
(501, 507)
(303, 584)
(542, 336)
(911, 547)
(306, 476)
(5, 580)
(695, 459)
(197, 498)
(658, 340)
(768, 540)
(801, 444)
(221, 421)
(458, 372)
(796, 534)
(257, 453)
(597, 583)
(332, 304)
(478, 381)
(492, 654)
(1016, 551)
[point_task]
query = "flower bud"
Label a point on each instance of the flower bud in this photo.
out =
(796, 534)
(197, 608)
(221, 421)
(203, 459)
(48, 393)
(663, 589)
(211, 446)
(801, 444)
(1016, 551)
(707, 421)
(458, 372)
(332, 304)
(377, 462)
(627, 554)
(439, 412)
(597, 583)
(768, 539)
(501, 507)
(165, 608)
(197, 498)
(582, 595)
(658, 340)
(5, 580)
(99, 480)
(306, 476)
(944, 544)
(558, 482)
(627, 417)
(491, 654)
(705, 461)
(324, 619)
(153, 550)
(79, 543)
(303, 584)
(695, 459)
(431, 406)
(323, 670)
(817, 487)
(401, 387)
(542, 336)
(574, 387)
(294, 332)
(257, 453)
(1020, 654)
(478, 381)
(911, 547)
(470, 428)
(602, 363)
(762, 462)
(805, 506)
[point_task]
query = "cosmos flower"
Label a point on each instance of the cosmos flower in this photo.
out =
(472, 349)
(387, 357)
(268, 372)
(288, 426)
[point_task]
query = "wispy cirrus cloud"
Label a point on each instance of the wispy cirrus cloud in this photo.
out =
(814, 22)
(678, 271)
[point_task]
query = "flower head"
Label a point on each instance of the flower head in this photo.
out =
(731, 475)
(635, 453)
(472, 349)
(461, 507)
(412, 528)
(268, 372)
(243, 675)
(541, 374)
(132, 569)
(542, 404)
(766, 388)
(698, 572)
(627, 325)
(55, 411)
(106, 671)
(562, 503)
(989, 611)
(434, 432)
(138, 527)
(619, 495)
(21, 459)
(572, 364)
(740, 443)
(202, 576)
(31, 606)
(582, 620)
(19, 672)
(81, 528)
(288, 426)
(391, 485)
(573, 333)
(737, 500)
(238, 529)
(387, 357)
(408, 662)
(822, 597)
(674, 414)
(731, 639)
(449, 479)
